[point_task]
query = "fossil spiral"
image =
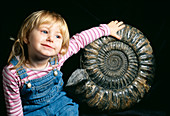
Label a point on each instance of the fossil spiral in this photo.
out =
(119, 72)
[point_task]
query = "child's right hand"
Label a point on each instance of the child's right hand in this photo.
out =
(115, 26)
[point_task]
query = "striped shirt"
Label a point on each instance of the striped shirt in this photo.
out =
(12, 82)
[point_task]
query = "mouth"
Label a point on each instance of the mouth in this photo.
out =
(48, 46)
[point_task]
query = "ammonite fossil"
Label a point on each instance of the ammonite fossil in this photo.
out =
(117, 72)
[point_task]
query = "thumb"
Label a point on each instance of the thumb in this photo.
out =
(117, 36)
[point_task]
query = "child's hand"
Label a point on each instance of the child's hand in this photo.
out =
(115, 26)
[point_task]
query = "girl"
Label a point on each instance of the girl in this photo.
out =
(32, 79)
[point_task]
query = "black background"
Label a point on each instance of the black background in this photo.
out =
(152, 18)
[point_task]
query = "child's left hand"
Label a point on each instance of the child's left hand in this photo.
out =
(115, 26)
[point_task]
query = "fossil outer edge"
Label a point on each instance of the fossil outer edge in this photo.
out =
(120, 71)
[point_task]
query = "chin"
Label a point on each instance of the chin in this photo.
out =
(48, 55)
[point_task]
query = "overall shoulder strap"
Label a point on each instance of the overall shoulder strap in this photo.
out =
(53, 60)
(21, 72)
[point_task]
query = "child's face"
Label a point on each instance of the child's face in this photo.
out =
(44, 41)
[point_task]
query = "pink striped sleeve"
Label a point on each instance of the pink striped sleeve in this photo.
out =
(11, 93)
(82, 39)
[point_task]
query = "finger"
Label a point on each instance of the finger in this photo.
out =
(116, 21)
(121, 27)
(120, 23)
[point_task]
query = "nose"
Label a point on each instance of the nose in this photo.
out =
(49, 39)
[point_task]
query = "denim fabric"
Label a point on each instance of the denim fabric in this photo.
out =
(46, 98)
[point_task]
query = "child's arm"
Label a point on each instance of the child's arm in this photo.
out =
(11, 93)
(82, 39)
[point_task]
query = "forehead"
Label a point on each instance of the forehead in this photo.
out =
(53, 26)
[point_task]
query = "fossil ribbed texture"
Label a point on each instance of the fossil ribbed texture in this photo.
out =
(120, 71)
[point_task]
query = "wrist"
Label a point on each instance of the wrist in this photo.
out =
(106, 29)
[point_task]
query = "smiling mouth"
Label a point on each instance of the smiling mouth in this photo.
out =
(47, 46)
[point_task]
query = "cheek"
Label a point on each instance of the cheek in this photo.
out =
(33, 39)
(58, 44)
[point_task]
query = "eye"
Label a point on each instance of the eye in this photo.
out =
(44, 31)
(58, 36)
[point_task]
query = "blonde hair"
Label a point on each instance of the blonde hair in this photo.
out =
(34, 20)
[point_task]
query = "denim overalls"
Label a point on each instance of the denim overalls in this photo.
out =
(45, 97)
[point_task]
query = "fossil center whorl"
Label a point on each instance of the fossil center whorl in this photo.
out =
(112, 62)
(115, 61)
